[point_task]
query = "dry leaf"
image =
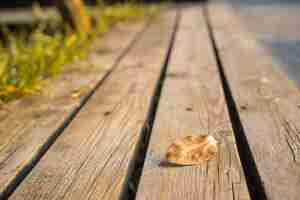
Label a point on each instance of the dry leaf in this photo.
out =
(192, 150)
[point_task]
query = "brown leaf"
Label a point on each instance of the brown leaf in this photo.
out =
(192, 150)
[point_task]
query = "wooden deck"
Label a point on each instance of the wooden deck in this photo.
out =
(195, 69)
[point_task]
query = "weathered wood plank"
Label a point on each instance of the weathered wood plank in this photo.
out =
(28, 124)
(192, 102)
(91, 159)
(267, 102)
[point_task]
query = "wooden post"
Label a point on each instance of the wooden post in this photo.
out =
(73, 11)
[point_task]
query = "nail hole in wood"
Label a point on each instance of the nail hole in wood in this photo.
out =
(189, 109)
(243, 107)
(107, 113)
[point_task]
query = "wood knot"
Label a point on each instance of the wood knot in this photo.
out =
(106, 113)
(189, 109)
(243, 107)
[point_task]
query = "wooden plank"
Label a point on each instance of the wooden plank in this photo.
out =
(192, 102)
(267, 102)
(91, 159)
(28, 124)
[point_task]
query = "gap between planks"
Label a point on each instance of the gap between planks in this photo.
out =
(267, 103)
(137, 163)
(192, 102)
(254, 182)
(91, 159)
(29, 145)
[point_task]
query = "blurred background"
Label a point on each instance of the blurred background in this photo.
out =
(276, 25)
(28, 3)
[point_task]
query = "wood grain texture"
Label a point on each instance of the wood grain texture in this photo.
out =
(268, 103)
(27, 124)
(192, 103)
(91, 159)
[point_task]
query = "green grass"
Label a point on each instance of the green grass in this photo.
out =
(28, 59)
